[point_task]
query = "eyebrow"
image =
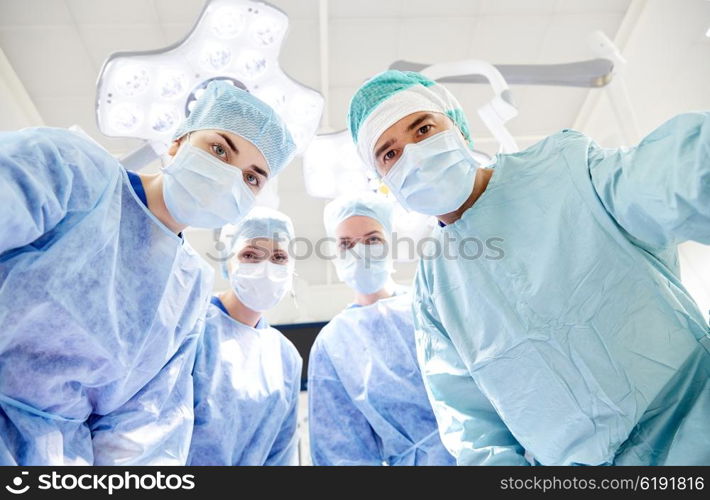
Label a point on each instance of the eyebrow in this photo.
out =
(419, 120)
(234, 148)
(376, 232)
(260, 171)
(411, 127)
(229, 142)
(383, 148)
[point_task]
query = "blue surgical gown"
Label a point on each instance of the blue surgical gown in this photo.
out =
(247, 383)
(101, 307)
(367, 402)
(560, 327)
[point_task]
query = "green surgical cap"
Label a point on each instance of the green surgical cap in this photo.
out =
(390, 96)
(378, 89)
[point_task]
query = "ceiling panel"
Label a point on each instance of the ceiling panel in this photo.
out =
(51, 61)
(34, 13)
(509, 39)
(426, 9)
(518, 7)
(102, 40)
(590, 7)
(364, 9)
(177, 11)
(437, 39)
(298, 9)
(359, 48)
(566, 38)
(503, 32)
(117, 12)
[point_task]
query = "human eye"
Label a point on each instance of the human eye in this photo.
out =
(424, 129)
(249, 256)
(251, 179)
(389, 156)
(374, 240)
(280, 258)
(219, 151)
(344, 244)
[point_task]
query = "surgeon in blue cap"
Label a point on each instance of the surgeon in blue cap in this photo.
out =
(367, 403)
(101, 300)
(247, 375)
(578, 344)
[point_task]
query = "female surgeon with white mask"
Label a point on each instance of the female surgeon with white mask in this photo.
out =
(367, 402)
(101, 300)
(247, 375)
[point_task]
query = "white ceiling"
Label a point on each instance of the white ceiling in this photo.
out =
(56, 49)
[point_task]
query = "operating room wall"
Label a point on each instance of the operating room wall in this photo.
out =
(664, 78)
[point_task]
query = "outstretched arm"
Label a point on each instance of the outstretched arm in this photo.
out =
(659, 191)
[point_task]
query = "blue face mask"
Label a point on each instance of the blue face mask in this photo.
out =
(434, 176)
(202, 191)
(365, 268)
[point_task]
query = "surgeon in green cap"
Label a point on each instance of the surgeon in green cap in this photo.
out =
(580, 345)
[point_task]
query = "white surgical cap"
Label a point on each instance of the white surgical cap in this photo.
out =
(260, 222)
(369, 204)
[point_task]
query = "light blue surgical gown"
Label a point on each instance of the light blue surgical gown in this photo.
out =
(570, 335)
(100, 310)
(367, 402)
(247, 382)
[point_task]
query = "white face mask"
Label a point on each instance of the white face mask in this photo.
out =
(261, 285)
(434, 176)
(365, 268)
(203, 191)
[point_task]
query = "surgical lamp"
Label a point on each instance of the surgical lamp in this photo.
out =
(146, 95)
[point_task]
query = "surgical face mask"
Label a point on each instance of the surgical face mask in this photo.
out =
(262, 285)
(365, 268)
(434, 176)
(202, 191)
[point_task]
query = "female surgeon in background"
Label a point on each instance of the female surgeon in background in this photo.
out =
(101, 299)
(579, 345)
(247, 375)
(367, 402)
